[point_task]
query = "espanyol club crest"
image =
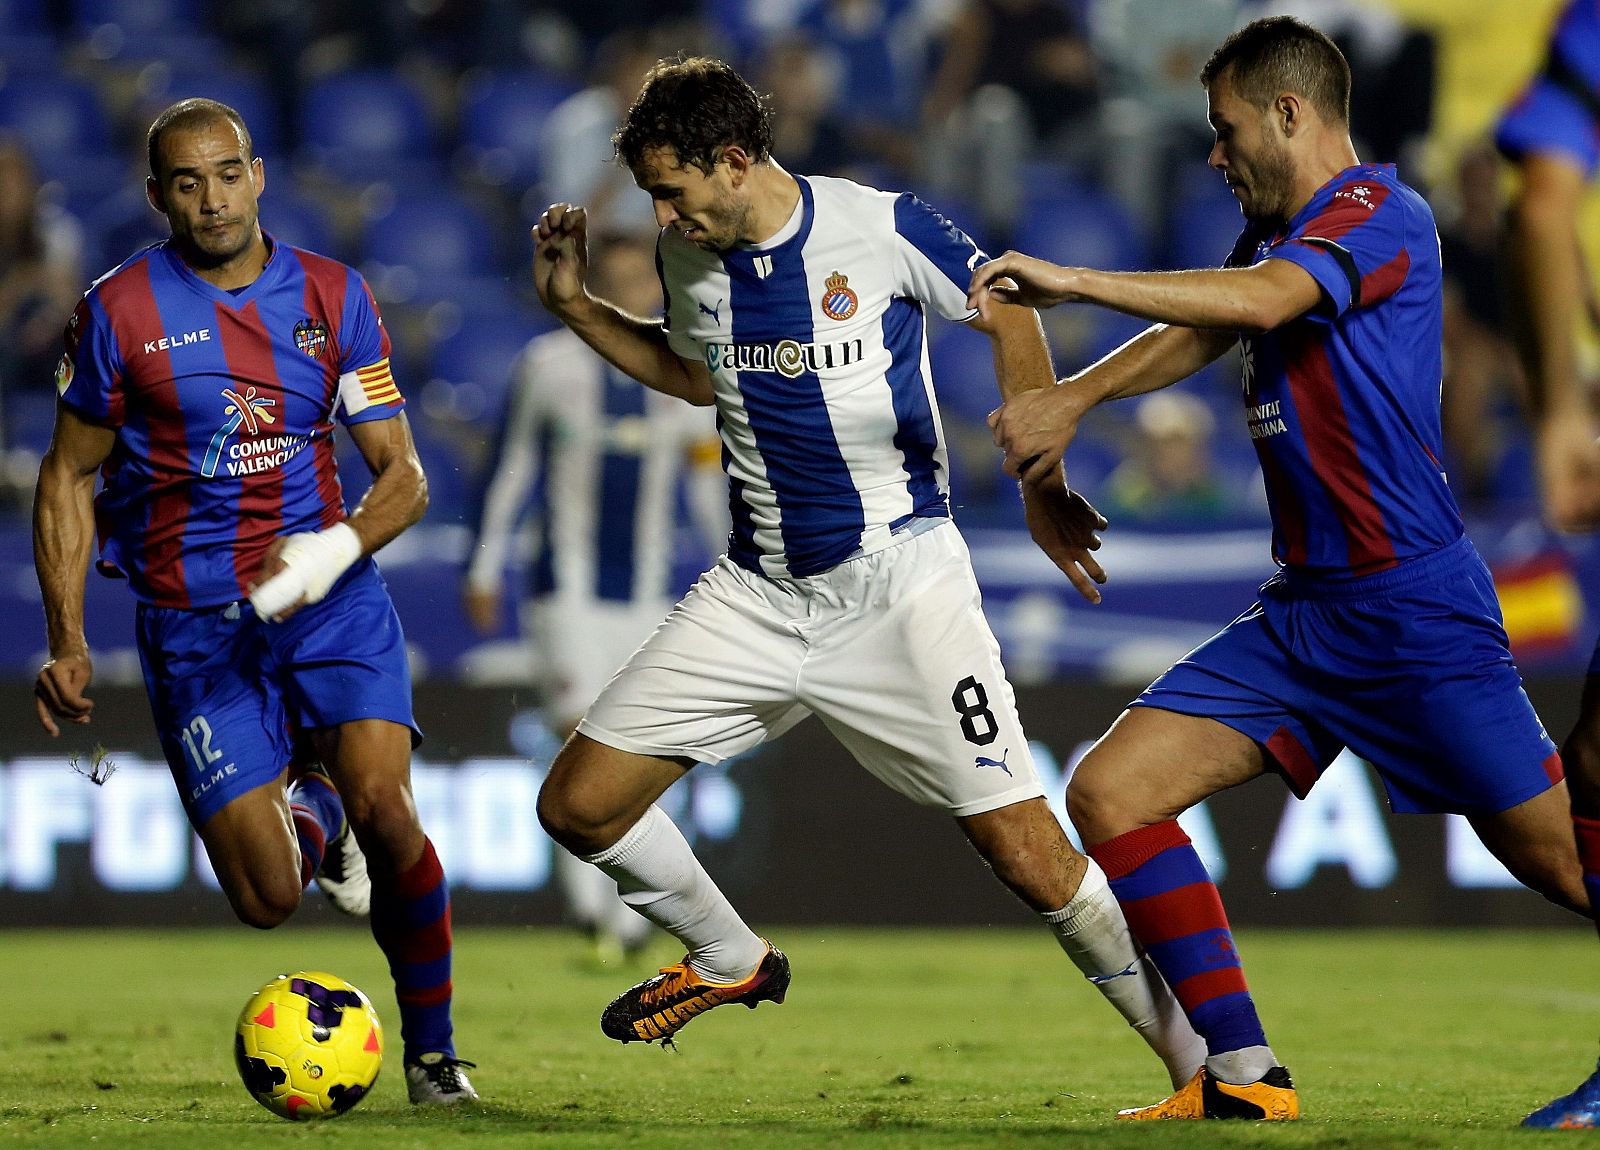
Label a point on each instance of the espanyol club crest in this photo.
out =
(838, 301)
(311, 337)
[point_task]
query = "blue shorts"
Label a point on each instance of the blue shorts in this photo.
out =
(1409, 668)
(228, 691)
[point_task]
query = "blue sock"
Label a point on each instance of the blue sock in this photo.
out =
(318, 818)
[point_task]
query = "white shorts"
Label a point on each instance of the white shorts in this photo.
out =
(578, 643)
(891, 650)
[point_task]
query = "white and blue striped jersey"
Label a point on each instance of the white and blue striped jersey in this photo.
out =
(606, 457)
(816, 344)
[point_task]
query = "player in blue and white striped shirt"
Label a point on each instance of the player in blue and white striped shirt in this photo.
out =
(797, 305)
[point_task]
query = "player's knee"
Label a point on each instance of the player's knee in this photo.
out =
(563, 820)
(1580, 759)
(580, 827)
(265, 907)
(1093, 804)
(1548, 867)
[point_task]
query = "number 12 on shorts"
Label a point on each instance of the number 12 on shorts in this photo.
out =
(201, 752)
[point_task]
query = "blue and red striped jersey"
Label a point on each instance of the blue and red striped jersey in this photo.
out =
(1343, 402)
(223, 404)
(1559, 110)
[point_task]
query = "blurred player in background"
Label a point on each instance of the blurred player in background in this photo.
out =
(201, 380)
(1381, 630)
(1552, 134)
(796, 305)
(609, 459)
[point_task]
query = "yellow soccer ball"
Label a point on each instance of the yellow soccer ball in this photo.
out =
(308, 1045)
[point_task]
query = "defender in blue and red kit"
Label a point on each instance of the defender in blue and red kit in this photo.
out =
(201, 380)
(1551, 133)
(1381, 631)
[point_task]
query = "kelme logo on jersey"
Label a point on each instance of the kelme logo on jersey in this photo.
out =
(311, 337)
(787, 357)
(838, 301)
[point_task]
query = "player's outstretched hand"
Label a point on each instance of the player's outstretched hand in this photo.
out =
(1569, 473)
(1019, 279)
(1066, 527)
(1034, 429)
(561, 256)
(58, 692)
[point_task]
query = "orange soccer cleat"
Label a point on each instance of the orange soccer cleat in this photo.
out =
(661, 1006)
(1272, 1098)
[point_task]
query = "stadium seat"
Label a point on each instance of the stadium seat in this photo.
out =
(439, 242)
(450, 484)
(26, 45)
(119, 225)
(1205, 220)
(125, 30)
(502, 122)
(962, 362)
(1079, 225)
(1072, 222)
(293, 219)
(60, 119)
(475, 360)
(246, 94)
(367, 126)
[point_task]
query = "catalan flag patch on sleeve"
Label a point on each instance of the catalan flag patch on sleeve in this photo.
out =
(371, 386)
(378, 383)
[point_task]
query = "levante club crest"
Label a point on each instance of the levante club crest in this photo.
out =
(838, 301)
(311, 337)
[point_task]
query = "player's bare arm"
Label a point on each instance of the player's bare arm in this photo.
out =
(1549, 287)
(299, 569)
(635, 346)
(63, 538)
(1254, 299)
(1062, 522)
(1034, 429)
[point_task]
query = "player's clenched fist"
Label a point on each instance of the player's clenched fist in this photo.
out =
(561, 256)
(59, 691)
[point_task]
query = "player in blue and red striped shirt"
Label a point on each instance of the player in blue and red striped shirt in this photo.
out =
(1551, 132)
(1381, 631)
(201, 380)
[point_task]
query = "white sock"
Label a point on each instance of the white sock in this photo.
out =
(1094, 933)
(657, 875)
(584, 889)
(1242, 1066)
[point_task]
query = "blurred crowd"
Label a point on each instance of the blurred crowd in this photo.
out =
(419, 140)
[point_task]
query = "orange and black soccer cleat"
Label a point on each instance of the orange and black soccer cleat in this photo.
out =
(661, 1006)
(1270, 1099)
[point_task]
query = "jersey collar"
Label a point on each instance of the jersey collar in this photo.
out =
(237, 300)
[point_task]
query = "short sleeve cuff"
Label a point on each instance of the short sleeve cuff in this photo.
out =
(1337, 277)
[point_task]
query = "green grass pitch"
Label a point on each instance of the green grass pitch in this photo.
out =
(924, 1039)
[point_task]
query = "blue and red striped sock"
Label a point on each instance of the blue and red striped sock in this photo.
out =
(1587, 832)
(411, 923)
(318, 816)
(1175, 912)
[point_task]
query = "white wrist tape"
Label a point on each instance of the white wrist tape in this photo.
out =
(312, 560)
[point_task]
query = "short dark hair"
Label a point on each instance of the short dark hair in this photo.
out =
(697, 107)
(192, 113)
(1281, 54)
